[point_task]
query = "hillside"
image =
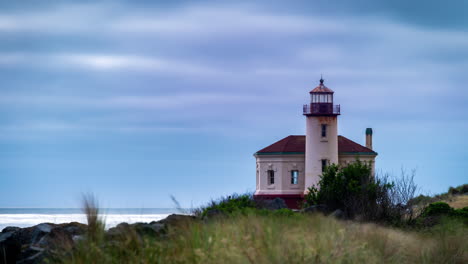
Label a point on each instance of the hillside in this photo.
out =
(457, 201)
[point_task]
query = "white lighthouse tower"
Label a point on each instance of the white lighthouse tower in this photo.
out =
(321, 146)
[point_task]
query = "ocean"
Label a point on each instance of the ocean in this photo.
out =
(25, 217)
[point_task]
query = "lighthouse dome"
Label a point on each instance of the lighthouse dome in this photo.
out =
(321, 88)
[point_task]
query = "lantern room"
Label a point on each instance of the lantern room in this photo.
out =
(321, 102)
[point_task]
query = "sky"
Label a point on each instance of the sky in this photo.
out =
(136, 101)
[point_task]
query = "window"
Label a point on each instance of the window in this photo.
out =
(271, 177)
(324, 164)
(294, 176)
(324, 130)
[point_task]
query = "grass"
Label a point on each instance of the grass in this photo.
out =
(458, 201)
(251, 237)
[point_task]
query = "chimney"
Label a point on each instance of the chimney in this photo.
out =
(369, 138)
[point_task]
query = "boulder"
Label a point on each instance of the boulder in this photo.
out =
(31, 255)
(10, 229)
(10, 247)
(174, 220)
(145, 229)
(319, 208)
(32, 244)
(339, 214)
(119, 231)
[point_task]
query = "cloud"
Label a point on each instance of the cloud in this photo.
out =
(171, 101)
(193, 20)
(59, 19)
(232, 55)
(235, 20)
(107, 62)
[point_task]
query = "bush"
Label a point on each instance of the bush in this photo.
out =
(463, 188)
(354, 190)
(421, 199)
(228, 205)
(463, 213)
(283, 212)
(453, 191)
(437, 208)
(441, 208)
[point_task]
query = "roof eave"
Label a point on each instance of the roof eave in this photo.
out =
(278, 153)
(359, 153)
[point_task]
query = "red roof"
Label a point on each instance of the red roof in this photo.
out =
(347, 145)
(321, 89)
(296, 144)
(287, 144)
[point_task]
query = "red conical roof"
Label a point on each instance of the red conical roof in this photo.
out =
(321, 88)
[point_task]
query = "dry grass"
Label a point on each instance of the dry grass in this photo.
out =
(96, 224)
(254, 238)
(458, 201)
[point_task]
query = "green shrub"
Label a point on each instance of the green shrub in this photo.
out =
(229, 204)
(352, 189)
(463, 188)
(421, 199)
(283, 212)
(463, 213)
(453, 191)
(437, 208)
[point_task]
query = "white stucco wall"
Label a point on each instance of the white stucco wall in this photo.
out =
(318, 148)
(282, 165)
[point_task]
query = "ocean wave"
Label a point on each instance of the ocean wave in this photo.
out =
(111, 220)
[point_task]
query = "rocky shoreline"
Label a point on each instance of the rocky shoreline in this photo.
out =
(31, 245)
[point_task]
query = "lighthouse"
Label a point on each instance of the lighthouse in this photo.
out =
(321, 144)
(289, 166)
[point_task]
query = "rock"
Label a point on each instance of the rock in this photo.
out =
(5, 236)
(319, 208)
(32, 244)
(15, 244)
(274, 204)
(159, 227)
(46, 228)
(74, 228)
(118, 232)
(339, 214)
(77, 238)
(31, 255)
(175, 220)
(10, 229)
(10, 248)
(145, 229)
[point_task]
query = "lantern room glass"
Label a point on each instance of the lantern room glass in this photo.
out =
(322, 98)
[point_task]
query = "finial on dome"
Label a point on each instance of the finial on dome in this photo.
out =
(321, 79)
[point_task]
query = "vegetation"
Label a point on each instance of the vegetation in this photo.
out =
(455, 197)
(228, 205)
(253, 237)
(96, 224)
(249, 233)
(441, 208)
(354, 190)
